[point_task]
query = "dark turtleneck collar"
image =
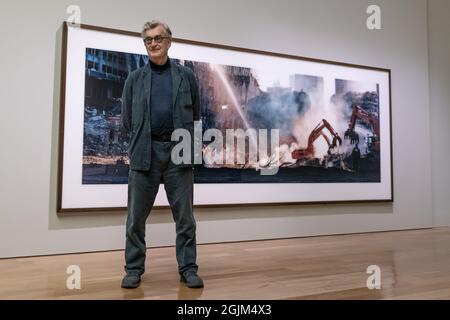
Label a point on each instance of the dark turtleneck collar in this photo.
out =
(160, 68)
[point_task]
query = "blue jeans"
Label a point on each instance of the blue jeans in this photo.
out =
(142, 189)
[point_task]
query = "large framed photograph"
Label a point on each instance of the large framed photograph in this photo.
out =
(327, 125)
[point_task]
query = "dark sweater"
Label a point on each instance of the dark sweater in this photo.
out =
(161, 99)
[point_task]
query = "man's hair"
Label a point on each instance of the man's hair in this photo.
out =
(153, 24)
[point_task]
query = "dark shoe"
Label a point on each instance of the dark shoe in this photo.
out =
(131, 281)
(191, 279)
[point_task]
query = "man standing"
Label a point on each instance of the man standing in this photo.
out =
(356, 156)
(158, 99)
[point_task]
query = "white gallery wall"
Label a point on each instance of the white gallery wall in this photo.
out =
(439, 70)
(332, 30)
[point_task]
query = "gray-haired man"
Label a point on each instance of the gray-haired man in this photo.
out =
(157, 99)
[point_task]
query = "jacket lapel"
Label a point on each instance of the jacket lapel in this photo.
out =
(147, 79)
(176, 81)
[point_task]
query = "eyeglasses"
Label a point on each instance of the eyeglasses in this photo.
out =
(158, 39)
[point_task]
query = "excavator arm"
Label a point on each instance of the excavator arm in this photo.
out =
(313, 136)
(369, 119)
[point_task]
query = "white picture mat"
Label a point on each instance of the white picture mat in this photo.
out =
(77, 195)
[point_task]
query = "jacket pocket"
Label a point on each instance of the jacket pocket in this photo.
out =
(185, 99)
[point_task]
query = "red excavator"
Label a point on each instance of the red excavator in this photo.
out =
(370, 119)
(316, 133)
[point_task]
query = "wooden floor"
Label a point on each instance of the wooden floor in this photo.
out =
(414, 265)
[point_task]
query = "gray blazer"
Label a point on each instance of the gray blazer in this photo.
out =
(136, 106)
